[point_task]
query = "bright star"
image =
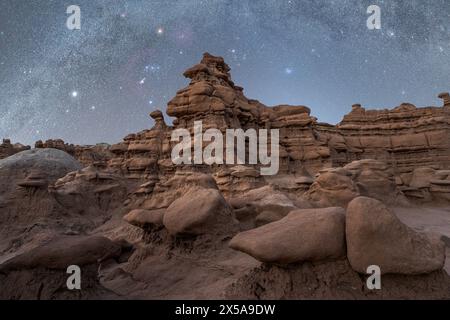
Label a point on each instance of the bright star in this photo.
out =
(288, 70)
(74, 94)
(160, 31)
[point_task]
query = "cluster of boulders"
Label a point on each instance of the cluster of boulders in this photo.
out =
(188, 204)
(368, 233)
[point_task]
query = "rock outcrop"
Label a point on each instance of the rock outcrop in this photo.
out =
(197, 212)
(375, 236)
(40, 273)
(8, 149)
(405, 137)
(86, 155)
(143, 227)
(303, 235)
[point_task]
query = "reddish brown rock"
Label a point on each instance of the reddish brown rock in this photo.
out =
(303, 235)
(375, 236)
(86, 155)
(7, 149)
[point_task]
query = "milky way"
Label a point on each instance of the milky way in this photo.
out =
(99, 83)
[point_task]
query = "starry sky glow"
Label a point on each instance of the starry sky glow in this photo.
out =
(99, 83)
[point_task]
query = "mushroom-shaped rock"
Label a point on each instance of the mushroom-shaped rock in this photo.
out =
(199, 211)
(303, 235)
(375, 236)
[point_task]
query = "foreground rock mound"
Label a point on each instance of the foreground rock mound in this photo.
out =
(303, 235)
(40, 273)
(334, 280)
(375, 236)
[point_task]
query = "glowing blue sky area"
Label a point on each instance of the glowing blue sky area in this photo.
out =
(99, 83)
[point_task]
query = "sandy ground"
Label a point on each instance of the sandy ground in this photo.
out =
(428, 219)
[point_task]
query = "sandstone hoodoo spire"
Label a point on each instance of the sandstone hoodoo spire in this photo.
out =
(213, 98)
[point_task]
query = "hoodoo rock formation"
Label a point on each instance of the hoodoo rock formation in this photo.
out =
(142, 227)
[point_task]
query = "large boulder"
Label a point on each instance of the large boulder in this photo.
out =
(198, 211)
(303, 235)
(375, 236)
(41, 273)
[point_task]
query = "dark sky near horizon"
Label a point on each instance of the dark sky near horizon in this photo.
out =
(99, 83)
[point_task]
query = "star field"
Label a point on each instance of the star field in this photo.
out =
(99, 83)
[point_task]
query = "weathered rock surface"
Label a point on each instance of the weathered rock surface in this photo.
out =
(86, 155)
(197, 212)
(8, 149)
(40, 273)
(375, 236)
(405, 137)
(31, 170)
(142, 218)
(303, 235)
(62, 252)
(333, 187)
(334, 280)
(181, 217)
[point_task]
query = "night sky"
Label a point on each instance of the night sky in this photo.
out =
(99, 83)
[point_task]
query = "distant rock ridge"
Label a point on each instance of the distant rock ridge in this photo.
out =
(8, 149)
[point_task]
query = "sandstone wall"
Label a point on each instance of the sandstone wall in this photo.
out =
(405, 137)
